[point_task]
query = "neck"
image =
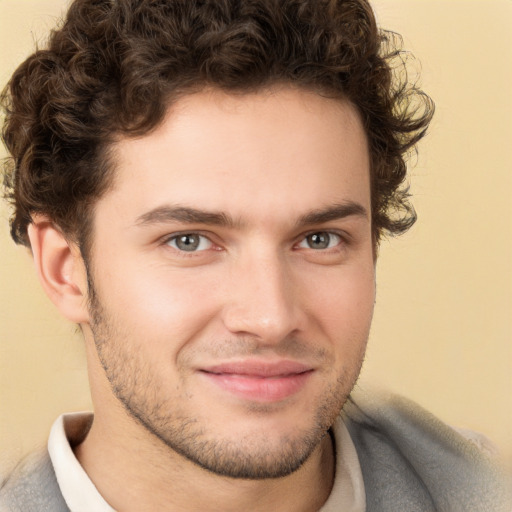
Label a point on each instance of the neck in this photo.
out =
(134, 471)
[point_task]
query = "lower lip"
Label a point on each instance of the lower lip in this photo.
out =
(260, 389)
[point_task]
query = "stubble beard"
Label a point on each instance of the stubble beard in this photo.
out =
(135, 385)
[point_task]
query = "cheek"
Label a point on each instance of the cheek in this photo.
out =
(344, 305)
(344, 284)
(160, 306)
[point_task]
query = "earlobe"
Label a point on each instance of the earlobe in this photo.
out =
(60, 268)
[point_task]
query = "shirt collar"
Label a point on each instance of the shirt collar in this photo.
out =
(76, 487)
(347, 492)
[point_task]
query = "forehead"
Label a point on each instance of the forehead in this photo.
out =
(262, 153)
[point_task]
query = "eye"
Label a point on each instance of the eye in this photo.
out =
(189, 242)
(320, 240)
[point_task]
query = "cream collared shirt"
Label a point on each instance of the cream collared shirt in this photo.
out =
(81, 495)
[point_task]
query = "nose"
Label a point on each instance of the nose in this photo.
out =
(262, 300)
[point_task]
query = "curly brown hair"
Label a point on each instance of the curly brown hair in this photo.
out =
(114, 67)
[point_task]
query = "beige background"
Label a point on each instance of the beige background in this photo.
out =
(442, 330)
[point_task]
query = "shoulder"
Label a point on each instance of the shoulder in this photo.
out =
(410, 460)
(32, 487)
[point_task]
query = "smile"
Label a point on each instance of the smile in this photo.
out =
(260, 382)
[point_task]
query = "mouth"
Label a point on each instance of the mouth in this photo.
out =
(259, 381)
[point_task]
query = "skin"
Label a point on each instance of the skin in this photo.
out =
(275, 188)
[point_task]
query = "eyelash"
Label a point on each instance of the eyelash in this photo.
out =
(176, 236)
(330, 234)
(343, 241)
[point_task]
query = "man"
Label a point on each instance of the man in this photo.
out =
(203, 186)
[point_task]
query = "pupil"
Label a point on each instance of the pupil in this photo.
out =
(187, 242)
(319, 240)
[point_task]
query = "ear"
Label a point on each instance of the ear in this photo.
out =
(60, 269)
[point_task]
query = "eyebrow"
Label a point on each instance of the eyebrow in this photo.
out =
(333, 212)
(188, 215)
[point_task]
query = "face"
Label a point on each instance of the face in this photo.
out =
(233, 277)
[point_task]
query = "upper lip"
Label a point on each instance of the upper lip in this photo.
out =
(255, 368)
